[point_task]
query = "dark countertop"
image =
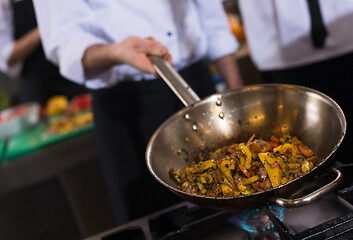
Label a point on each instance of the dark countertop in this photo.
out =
(47, 162)
(66, 176)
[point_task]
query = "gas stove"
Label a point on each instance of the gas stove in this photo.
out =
(330, 217)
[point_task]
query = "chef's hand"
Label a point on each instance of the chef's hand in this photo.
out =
(132, 51)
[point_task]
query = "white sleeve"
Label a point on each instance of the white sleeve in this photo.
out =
(67, 31)
(221, 41)
(7, 40)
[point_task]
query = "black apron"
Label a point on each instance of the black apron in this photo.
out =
(126, 116)
(39, 78)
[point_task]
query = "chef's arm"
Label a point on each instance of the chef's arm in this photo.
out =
(222, 44)
(132, 51)
(228, 69)
(24, 46)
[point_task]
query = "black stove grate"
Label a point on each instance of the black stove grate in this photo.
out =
(345, 191)
(178, 219)
(338, 228)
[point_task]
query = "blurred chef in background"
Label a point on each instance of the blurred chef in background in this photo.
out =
(103, 44)
(305, 42)
(22, 56)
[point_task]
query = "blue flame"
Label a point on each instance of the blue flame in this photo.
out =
(243, 218)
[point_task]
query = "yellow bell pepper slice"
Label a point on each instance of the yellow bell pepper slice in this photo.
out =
(305, 166)
(284, 147)
(207, 164)
(226, 190)
(243, 189)
(293, 165)
(248, 154)
(274, 173)
(250, 180)
(225, 167)
(191, 169)
(206, 178)
(184, 186)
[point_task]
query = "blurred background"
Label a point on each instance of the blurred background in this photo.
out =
(51, 183)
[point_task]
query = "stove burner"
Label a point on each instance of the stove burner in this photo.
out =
(256, 221)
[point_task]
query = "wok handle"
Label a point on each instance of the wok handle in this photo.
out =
(321, 192)
(174, 80)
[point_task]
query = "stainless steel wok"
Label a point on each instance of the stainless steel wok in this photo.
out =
(235, 115)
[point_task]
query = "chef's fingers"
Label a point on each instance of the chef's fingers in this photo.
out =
(159, 50)
(134, 51)
(152, 47)
(169, 58)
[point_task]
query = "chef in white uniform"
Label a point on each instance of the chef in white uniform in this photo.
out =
(103, 44)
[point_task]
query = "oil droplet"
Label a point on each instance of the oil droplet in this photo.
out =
(195, 127)
(221, 115)
(219, 101)
(187, 116)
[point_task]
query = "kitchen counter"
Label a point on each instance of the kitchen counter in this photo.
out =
(46, 163)
(60, 187)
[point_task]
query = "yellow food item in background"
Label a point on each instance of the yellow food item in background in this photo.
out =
(56, 104)
(236, 27)
(83, 119)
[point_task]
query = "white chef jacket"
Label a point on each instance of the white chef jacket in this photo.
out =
(7, 39)
(278, 31)
(190, 29)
